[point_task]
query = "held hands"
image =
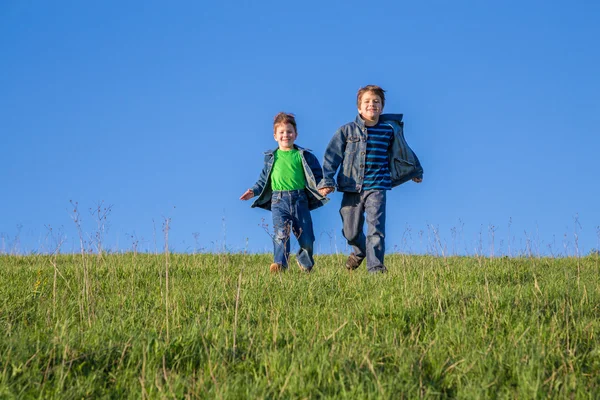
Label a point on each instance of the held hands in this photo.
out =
(326, 190)
(248, 194)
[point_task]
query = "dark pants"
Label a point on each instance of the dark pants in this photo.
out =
(353, 210)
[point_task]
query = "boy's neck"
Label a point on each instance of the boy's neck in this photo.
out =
(286, 148)
(369, 122)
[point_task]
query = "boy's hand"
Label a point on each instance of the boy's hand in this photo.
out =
(248, 194)
(417, 180)
(326, 190)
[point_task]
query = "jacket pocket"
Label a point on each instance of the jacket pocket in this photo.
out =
(352, 144)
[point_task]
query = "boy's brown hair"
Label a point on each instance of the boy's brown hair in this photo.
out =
(371, 88)
(284, 118)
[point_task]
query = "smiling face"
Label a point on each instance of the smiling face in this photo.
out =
(370, 107)
(285, 135)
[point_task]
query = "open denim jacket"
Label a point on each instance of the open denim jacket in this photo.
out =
(347, 150)
(312, 173)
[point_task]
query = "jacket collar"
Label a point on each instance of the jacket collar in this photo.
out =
(391, 117)
(382, 118)
(360, 122)
(300, 149)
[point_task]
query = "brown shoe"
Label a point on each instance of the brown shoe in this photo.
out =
(353, 262)
(275, 268)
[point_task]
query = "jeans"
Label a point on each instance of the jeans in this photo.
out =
(353, 209)
(291, 215)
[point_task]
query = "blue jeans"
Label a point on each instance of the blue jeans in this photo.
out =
(353, 210)
(291, 215)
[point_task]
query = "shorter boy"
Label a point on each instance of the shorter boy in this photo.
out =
(287, 186)
(372, 157)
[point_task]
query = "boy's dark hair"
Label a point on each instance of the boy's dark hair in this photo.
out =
(285, 118)
(371, 88)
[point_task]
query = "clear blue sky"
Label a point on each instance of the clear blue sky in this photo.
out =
(163, 110)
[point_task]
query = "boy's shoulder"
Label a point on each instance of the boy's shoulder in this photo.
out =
(302, 149)
(348, 127)
(393, 120)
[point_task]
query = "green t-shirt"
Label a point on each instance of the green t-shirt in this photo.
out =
(287, 172)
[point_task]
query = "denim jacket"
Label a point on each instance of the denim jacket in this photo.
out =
(312, 173)
(347, 150)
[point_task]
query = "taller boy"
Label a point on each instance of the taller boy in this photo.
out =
(373, 157)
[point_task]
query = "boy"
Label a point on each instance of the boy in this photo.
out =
(287, 186)
(373, 158)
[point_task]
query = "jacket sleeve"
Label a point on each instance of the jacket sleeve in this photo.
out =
(262, 179)
(332, 159)
(419, 166)
(315, 167)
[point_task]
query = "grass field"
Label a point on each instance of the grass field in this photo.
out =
(221, 326)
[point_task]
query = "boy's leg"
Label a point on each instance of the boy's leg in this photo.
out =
(303, 229)
(282, 221)
(375, 201)
(353, 220)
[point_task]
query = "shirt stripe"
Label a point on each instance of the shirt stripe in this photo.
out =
(377, 173)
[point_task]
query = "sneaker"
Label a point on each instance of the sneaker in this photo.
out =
(275, 268)
(353, 262)
(303, 269)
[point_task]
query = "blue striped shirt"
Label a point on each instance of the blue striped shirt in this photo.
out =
(377, 171)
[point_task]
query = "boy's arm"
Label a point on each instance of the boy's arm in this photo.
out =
(315, 167)
(332, 159)
(247, 195)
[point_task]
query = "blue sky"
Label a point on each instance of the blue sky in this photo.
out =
(163, 111)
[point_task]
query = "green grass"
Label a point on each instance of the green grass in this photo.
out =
(461, 327)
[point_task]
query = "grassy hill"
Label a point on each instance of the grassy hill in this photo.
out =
(221, 326)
